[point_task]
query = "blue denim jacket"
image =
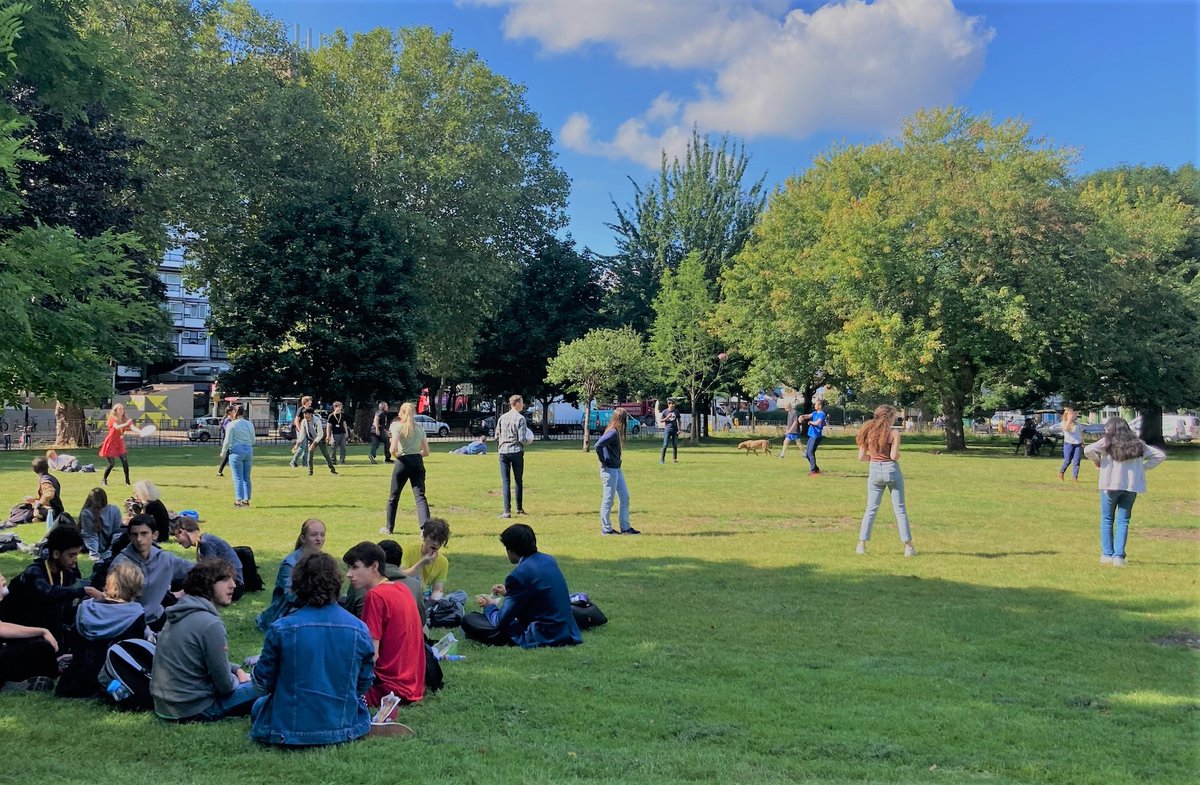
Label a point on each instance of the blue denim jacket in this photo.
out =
(316, 665)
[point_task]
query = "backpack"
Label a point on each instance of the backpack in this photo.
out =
(447, 610)
(586, 613)
(22, 513)
(9, 542)
(250, 576)
(434, 680)
(125, 676)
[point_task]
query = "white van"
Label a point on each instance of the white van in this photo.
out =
(1175, 427)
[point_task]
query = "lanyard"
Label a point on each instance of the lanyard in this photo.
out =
(62, 579)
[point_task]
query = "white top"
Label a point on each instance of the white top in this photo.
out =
(1073, 435)
(1125, 475)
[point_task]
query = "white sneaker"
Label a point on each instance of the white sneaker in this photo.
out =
(909, 550)
(861, 549)
(383, 530)
(1118, 561)
(1106, 559)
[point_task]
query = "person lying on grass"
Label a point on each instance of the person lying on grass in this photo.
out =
(193, 680)
(536, 606)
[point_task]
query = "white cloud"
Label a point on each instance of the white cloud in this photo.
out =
(846, 66)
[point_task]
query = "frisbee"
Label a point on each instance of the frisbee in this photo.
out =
(147, 430)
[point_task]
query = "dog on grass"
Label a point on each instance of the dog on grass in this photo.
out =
(754, 445)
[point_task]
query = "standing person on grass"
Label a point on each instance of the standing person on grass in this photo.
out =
(379, 431)
(880, 445)
(1123, 460)
(228, 418)
(792, 434)
(337, 433)
(310, 541)
(816, 433)
(512, 434)
(669, 422)
(608, 449)
(113, 446)
(410, 448)
(238, 448)
(312, 430)
(300, 451)
(1072, 433)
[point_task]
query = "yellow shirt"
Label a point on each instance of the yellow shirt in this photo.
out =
(432, 573)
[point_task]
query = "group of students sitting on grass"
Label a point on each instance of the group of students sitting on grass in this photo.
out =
(326, 656)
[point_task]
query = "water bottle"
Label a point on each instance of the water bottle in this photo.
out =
(442, 648)
(118, 691)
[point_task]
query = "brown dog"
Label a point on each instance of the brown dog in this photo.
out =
(754, 445)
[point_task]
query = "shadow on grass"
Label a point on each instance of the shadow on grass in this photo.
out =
(994, 555)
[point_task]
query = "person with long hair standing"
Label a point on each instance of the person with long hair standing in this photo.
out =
(238, 449)
(880, 445)
(1123, 460)
(608, 448)
(409, 447)
(1072, 433)
(113, 446)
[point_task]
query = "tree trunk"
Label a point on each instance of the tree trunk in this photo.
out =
(694, 435)
(545, 402)
(70, 430)
(810, 391)
(437, 398)
(362, 419)
(1152, 432)
(952, 408)
(587, 422)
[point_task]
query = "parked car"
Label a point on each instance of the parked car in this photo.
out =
(205, 429)
(487, 425)
(431, 426)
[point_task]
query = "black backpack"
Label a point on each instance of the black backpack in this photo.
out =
(125, 677)
(447, 610)
(252, 580)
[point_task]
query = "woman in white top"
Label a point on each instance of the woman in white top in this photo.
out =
(1123, 460)
(1072, 433)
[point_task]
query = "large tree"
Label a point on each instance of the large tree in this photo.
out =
(948, 257)
(602, 361)
(555, 299)
(685, 351)
(450, 147)
(702, 204)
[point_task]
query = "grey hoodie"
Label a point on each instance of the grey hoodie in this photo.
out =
(157, 572)
(98, 620)
(191, 661)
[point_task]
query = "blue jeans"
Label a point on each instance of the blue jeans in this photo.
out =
(885, 475)
(301, 455)
(1072, 453)
(670, 437)
(236, 704)
(516, 462)
(810, 452)
(241, 459)
(614, 484)
(1118, 505)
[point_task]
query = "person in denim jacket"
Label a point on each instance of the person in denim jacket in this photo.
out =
(316, 664)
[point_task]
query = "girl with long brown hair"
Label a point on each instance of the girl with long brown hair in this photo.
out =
(1123, 460)
(880, 444)
(608, 449)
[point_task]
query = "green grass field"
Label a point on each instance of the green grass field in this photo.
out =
(747, 642)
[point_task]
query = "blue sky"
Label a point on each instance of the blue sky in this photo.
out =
(616, 81)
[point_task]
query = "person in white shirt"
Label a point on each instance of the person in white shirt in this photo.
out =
(1123, 460)
(1072, 433)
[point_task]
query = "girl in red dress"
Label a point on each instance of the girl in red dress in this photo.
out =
(114, 443)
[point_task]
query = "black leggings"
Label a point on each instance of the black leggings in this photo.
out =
(124, 465)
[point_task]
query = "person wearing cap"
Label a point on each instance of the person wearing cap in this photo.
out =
(210, 546)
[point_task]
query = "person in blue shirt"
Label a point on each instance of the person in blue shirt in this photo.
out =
(477, 447)
(210, 546)
(317, 663)
(816, 429)
(536, 606)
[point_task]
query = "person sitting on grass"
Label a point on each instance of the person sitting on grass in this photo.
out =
(28, 655)
(476, 447)
(147, 497)
(317, 631)
(311, 540)
(193, 680)
(45, 594)
(159, 568)
(99, 623)
(393, 556)
(536, 609)
(100, 523)
(47, 502)
(391, 616)
(427, 559)
(210, 546)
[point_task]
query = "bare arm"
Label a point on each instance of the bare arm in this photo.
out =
(895, 454)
